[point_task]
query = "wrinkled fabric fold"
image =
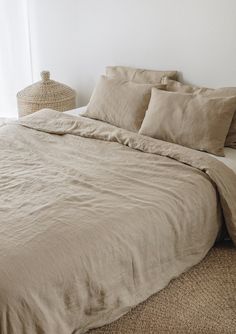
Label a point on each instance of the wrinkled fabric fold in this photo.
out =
(95, 219)
(220, 174)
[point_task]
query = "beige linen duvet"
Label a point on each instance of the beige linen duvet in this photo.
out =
(94, 219)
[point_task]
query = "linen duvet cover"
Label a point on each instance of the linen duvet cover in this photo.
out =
(95, 219)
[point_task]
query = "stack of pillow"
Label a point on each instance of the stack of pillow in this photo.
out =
(154, 104)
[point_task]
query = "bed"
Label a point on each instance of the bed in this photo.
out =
(95, 219)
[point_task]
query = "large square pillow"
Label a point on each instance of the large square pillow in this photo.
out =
(139, 75)
(175, 86)
(192, 120)
(119, 102)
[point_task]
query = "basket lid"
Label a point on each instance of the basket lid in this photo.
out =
(46, 91)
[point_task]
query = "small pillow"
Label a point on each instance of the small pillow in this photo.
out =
(121, 103)
(175, 86)
(139, 75)
(192, 120)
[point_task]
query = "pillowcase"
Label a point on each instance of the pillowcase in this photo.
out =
(192, 120)
(175, 86)
(119, 102)
(139, 75)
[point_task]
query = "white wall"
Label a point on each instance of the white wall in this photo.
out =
(76, 39)
(15, 66)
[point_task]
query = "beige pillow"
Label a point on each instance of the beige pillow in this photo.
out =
(192, 120)
(139, 75)
(119, 102)
(175, 86)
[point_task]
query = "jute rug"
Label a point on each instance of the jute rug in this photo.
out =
(203, 300)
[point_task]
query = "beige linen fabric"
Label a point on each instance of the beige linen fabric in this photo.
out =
(119, 102)
(194, 121)
(95, 219)
(139, 75)
(175, 86)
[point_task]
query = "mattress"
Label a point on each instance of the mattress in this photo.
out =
(94, 219)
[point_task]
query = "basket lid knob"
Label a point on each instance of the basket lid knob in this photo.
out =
(45, 75)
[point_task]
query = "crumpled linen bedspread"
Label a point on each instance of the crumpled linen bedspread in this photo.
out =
(94, 219)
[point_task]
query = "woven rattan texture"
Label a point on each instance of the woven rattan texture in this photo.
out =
(201, 301)
(46, 93)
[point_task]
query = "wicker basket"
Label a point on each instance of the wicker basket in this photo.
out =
(45, 94)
